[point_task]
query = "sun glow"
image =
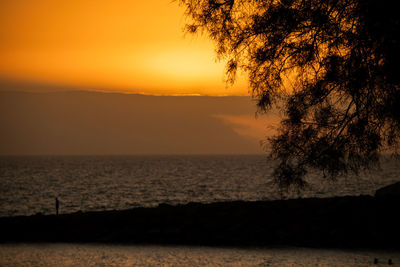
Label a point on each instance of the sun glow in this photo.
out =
(185, 65)
(126, 46)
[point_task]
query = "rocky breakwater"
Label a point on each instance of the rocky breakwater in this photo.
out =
(354, 221)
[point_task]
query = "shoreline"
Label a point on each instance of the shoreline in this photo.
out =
(363, 222)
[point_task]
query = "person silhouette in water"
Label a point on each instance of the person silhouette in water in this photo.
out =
(57, 205)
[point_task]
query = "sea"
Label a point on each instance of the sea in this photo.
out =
(30, 184)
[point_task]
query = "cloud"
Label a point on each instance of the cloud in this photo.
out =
(249, 125)
(105, 123)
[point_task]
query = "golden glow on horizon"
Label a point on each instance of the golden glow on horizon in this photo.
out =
(126, 46)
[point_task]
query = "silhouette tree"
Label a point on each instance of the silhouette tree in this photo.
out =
(330, 66)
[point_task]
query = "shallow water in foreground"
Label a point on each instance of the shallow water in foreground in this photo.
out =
(120, 255)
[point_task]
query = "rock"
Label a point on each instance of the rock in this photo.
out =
(392, 190)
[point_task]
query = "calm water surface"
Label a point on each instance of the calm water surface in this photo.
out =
(115, 255)
(28, 185)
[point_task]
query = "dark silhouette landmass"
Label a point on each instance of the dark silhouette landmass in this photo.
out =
(344, 222)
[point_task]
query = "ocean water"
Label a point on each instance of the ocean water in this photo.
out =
(29, 185)
(118, 255)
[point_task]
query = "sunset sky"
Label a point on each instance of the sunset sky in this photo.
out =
(127, 46)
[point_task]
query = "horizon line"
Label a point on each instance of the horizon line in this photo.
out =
(99, 91)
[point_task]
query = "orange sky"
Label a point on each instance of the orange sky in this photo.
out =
(126, 46)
